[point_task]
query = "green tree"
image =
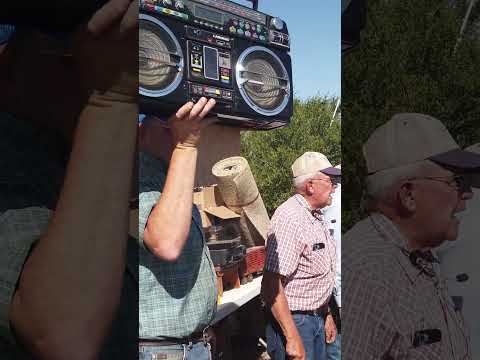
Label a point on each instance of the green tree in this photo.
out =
(271, 153)
(406, 63)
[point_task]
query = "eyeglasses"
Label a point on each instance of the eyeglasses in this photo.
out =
(458, 182)
(333, 181)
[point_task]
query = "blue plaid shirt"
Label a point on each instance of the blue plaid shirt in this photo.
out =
(176, 299)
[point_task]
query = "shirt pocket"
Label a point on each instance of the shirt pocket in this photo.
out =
(316, 259)
(427, 352)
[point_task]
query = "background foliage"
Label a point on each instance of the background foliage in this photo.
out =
(271, 153)
(406, 63)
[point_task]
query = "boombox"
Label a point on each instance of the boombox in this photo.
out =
(217, 49)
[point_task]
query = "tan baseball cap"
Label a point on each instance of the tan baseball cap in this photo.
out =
(410, 137)
(311, 162)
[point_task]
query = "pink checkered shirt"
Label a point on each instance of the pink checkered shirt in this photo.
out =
(300, 248)
(389, 302)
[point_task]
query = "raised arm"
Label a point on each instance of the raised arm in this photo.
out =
(169, 222)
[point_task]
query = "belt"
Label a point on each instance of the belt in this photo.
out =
(321, 311)
(192, 339)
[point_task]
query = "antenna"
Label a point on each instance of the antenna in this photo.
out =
(464, 23)
(335, 111)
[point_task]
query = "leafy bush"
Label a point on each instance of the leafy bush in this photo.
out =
(271, 153)
(406, 63)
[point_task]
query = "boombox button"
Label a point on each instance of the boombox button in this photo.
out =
(262, 38)
(239, 31)
(232, 29)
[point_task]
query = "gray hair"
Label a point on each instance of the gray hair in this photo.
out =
(299, 181)
(380, 184)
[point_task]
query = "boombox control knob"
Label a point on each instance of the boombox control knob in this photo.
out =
(179, 5)
(277, 23)
(167, 2)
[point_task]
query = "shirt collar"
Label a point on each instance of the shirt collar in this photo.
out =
(313, 214)
(391, 233)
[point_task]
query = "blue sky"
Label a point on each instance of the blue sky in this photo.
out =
(314, 27)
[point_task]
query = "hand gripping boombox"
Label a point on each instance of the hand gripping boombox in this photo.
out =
(217, 49)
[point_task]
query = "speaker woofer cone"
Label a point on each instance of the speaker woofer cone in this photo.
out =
(160, 58)
(263, 81)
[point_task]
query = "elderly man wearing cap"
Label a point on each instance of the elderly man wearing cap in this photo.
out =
(398, 306)
(461, 257)
(300, 265)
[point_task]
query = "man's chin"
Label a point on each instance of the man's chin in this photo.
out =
(452, 231)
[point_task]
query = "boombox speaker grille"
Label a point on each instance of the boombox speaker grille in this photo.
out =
(160, 58)
(263, 80)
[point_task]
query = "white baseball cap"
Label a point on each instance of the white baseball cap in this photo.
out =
(311, 162)
(410, 137)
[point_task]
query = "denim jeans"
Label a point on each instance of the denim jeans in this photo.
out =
(311, 330)
(334, 350)
(198, 351)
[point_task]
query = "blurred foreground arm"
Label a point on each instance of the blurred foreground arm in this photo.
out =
(70, 285)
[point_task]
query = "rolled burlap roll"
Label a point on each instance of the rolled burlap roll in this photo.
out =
(240, 194)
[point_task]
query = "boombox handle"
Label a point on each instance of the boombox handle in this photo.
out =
(254, 4)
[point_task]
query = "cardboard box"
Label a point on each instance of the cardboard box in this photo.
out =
(211, 205)
(208, 196)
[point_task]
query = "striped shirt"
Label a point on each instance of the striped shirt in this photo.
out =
(392, 308)
(300, 248)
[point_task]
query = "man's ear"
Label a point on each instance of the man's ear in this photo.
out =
(406, 197)
(308, 188)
